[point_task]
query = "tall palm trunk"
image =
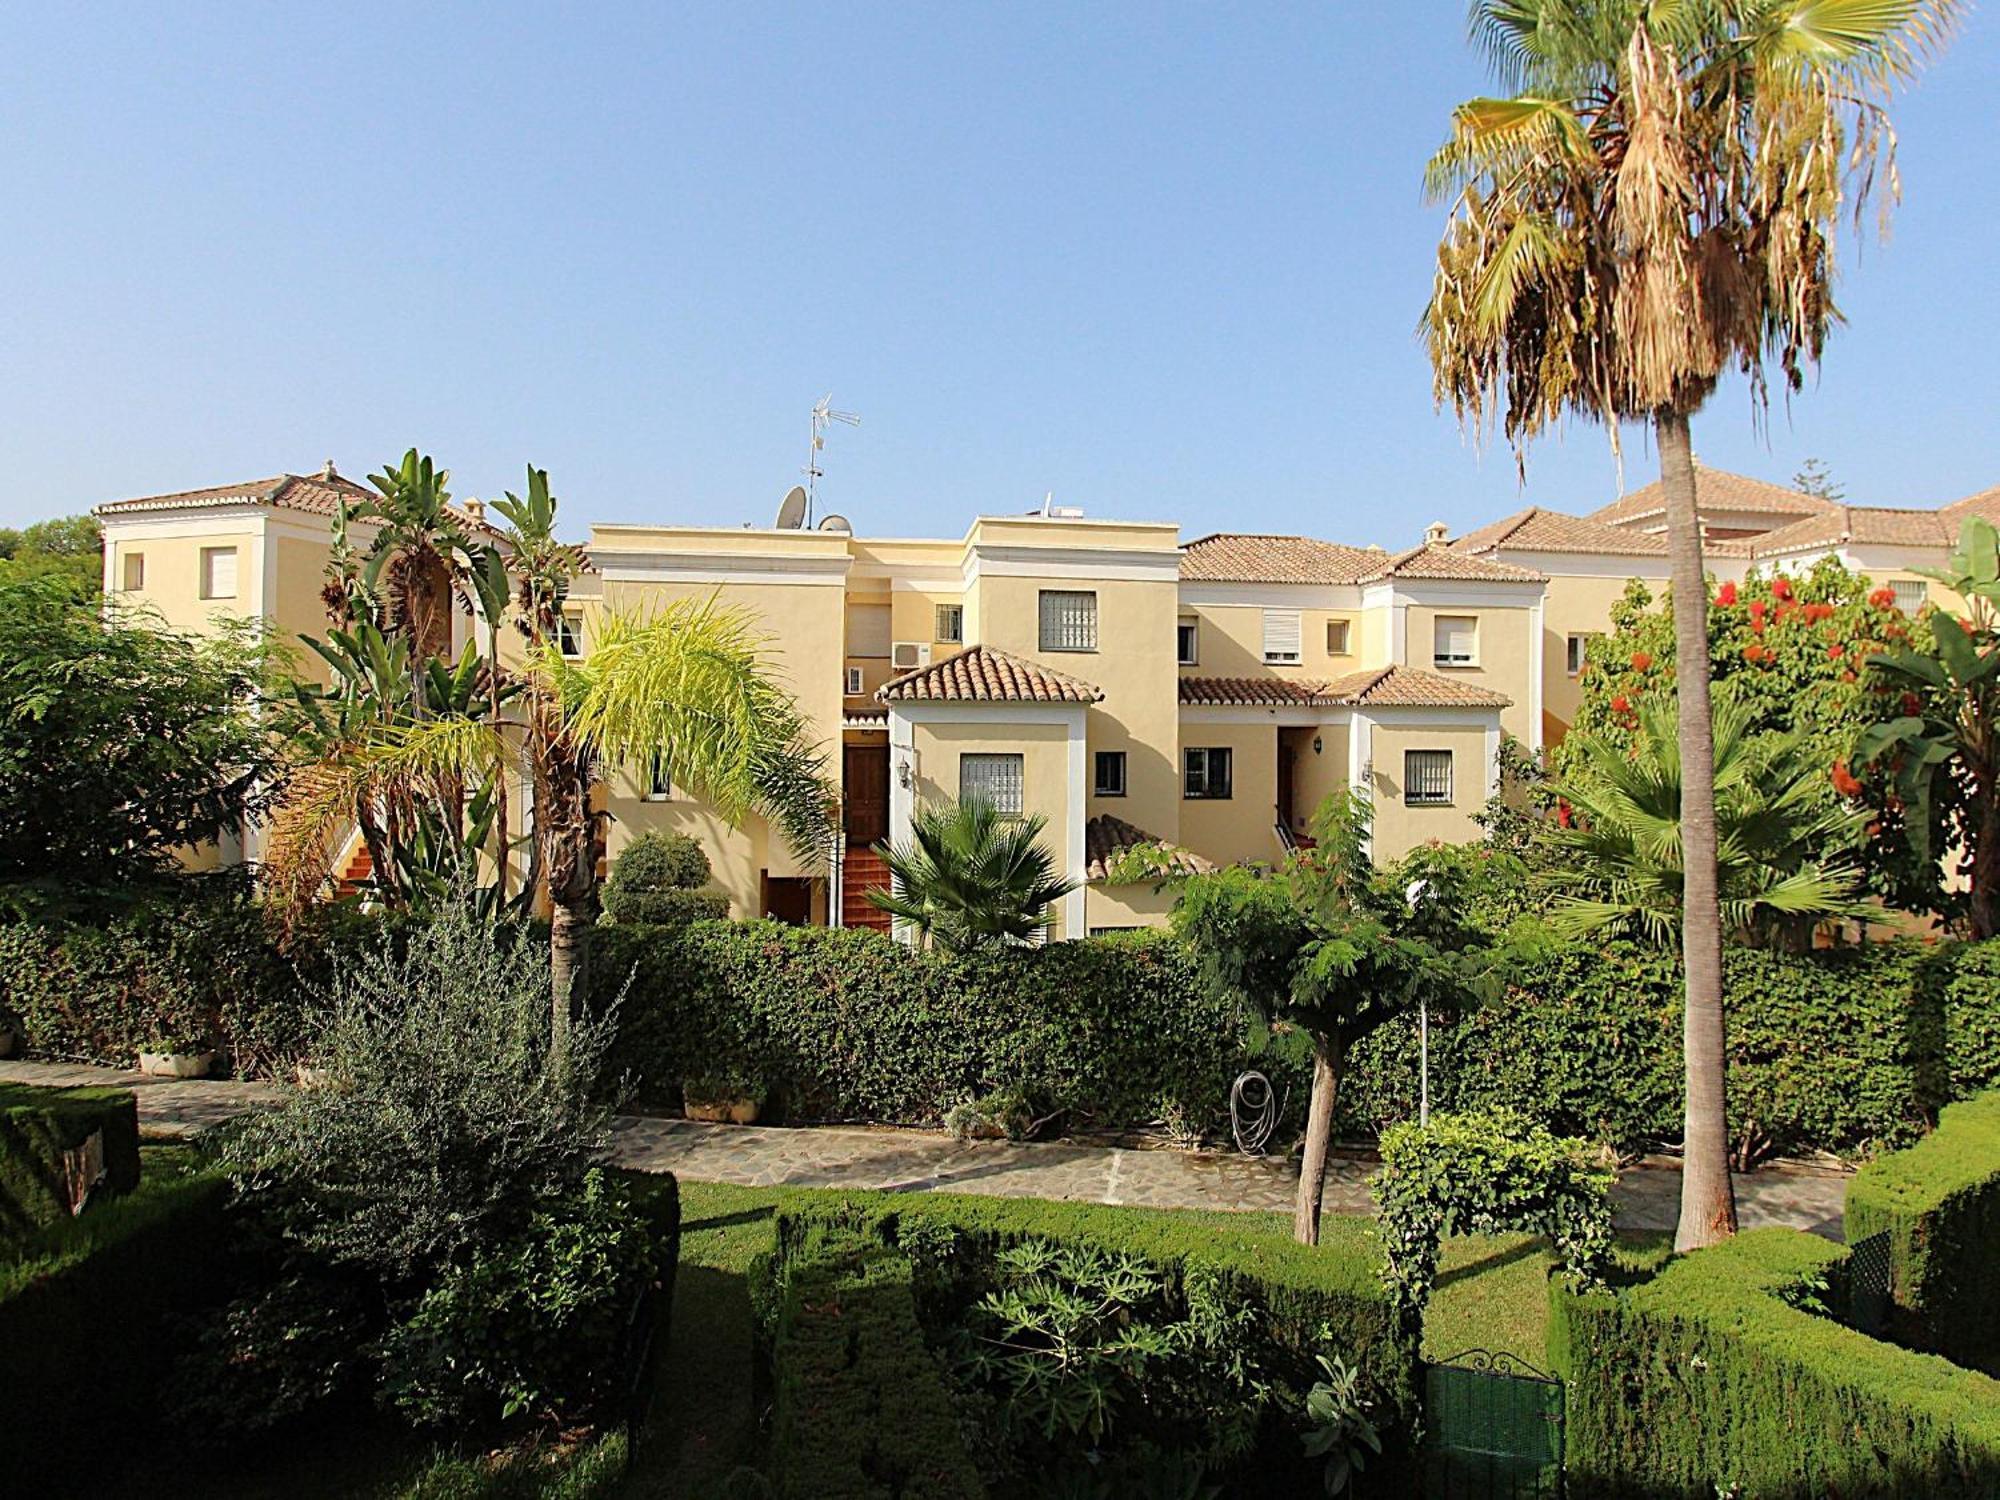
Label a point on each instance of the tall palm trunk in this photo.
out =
(1319, 1136)
(1708, 1198)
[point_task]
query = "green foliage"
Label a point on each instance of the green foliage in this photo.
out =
(1340, 1430)
(657, 878)
(1939, 1204)
(1006, 1112)
(971, 878)
(861, 1407)
(1485, 1174)
(1707, 1377)
(68, 551)
(1617, 849)
(37, 1127)
(120, 741)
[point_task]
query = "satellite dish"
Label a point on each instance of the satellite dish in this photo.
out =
(836, 523)
(792, 511)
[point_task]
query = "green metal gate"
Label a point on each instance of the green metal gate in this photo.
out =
(1493, 1429)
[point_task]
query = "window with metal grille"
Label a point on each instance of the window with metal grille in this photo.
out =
(1069, 620)
(1911, 594)
(1576, 651)
(950, 623)
(992, 779)
(1187, 642)
(1207, 773)
(1336, 638)
(1281, 636)
(569, 635)
(135, 570)
(1110, 778)
(1455, 640)
(218, 572)
(1427, 778)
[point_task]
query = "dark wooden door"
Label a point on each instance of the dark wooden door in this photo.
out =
(865, 770)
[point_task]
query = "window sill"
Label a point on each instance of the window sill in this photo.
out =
(1454, 666)
(1204, 797)
(1408, 803)
(1067, 650)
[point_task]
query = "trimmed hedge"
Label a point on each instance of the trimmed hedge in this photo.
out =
(1939, 1204)
(862, 1411)
(86, 1317)
(37, 1126)
(1711, 1375)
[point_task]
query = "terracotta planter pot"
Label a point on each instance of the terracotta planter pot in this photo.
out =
(177, 1064)
(723, 1111)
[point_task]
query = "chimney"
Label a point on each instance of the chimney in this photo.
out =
(327, 472)
(1436, 534)
(474, 508)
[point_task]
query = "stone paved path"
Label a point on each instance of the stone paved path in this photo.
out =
(1647, 1196)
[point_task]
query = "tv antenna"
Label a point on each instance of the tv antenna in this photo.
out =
(823, 416)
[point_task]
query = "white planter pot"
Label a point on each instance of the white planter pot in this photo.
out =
(177, 1064)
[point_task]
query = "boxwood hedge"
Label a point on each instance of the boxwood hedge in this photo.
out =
(1939, 1205)
(1719, 1373)
(37, 1127)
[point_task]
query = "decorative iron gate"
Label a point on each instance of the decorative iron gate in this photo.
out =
(1494, 1429)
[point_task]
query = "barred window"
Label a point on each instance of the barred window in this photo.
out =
(992, 779)
(1110, 778)
(950, 623)
(1456, 640)
(1281, 636)
(1911, 594)
(1069, 620)
(1207, 773)
(1427, 778)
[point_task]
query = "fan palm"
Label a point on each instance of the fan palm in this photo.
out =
(969, 877)
(422, 546)
(1654, 206)
(1777, 866)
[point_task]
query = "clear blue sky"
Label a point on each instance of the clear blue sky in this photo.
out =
(1164, 259)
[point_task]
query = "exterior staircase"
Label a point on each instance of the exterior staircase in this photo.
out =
(356, 873)
(863, 871)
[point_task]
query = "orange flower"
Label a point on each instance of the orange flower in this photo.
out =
(1621, 704)
(1835, 652)
(1781, 587)
(1883, 598)
(1843, 780)
(1726, 595)
(1641, 660)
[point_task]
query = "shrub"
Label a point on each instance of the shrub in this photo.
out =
(1708, 1377)
(658, 879)
(1939, 1205)
(39, 1129)
(861, 1408)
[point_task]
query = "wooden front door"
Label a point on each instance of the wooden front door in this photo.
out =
(865, 772)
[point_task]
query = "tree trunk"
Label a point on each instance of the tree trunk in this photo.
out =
(1319, 1135)
(1708, 1198)
(1985, 862)
(569, 969)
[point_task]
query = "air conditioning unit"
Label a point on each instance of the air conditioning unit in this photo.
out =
(907, 656)
(854, 682)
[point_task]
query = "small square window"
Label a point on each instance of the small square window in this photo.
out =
(1207, 774)
(659, 785)
(1911, 594)
(218, 572)
(1281, 637)
(1068, 620)
(992, 779)
(1110, 778)
(1455, 642)
(569, 635)
(853, 682)
(950, 623)
(1576, 652)
(1336, 638)
(1187, 642)
(135, 571)
(1427, 778)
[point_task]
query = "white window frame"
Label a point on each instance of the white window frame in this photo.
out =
(569, 636)
(949, 625)
(1007, 784)
(210, 556)
(1411, 778)
(1903, 587)
(1346, 643)
(659, 785)
(1187, 649)
(852, 682)
(1440, 657)
(1058, 631)
(1204, 756)
(132, 571)
(1099, 785)
(1284, 641)
(1576, 650)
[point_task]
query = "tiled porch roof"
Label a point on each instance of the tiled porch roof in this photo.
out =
(1106, 837)
(1381, 687)
(986, 674)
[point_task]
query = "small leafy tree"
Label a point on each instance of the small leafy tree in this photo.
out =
(69, 549)
(1940, 752)
(1327, 945)
(658, 878)
(969, 877)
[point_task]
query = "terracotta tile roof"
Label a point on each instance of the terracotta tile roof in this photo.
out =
(1250, 557)
(1858, 523)
(1443, 562)
(1986, 503)
(1106, 837)
(986, 674)
(1716, 489)
(312, 494)
(1379, 687)
(1538, 530)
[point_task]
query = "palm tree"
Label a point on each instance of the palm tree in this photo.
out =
(1654, 206)
(1619, 854)
(970, 877)
(424, 549)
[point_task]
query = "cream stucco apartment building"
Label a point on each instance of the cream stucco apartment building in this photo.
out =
(1123, 683)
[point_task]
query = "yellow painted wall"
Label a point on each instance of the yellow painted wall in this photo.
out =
(173, 575)
(1573, 606)
(298, 609)
(1503, 655)
(1121, 906)
(1317, 776)
(1238, 829)
(1399, 828)
(1231, 644)
(1044, 752)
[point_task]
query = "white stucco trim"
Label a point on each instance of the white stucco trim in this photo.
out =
(1290, 716)
(1453, 594)
(1537, 654)
(717, 568)
(1648, 567)
(1361, 762)
(1199, 593)
(1110, 564)
(1493, 757)
(1070, 908)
